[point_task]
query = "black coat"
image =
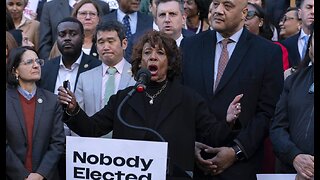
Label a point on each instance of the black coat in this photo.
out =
(292, 128)
(254, 70)
(182, 116)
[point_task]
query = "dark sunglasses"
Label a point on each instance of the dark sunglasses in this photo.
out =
(251, 14)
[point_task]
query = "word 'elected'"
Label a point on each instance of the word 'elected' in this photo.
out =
(85, 173)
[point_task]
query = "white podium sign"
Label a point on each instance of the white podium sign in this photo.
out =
(101, 158)
(276, 176)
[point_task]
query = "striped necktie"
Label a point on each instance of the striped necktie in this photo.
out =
(223, 61)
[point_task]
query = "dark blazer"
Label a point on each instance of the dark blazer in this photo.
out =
(255, 70)
(53, 12)
(187, 33)
(49, 72)
(144, 23)
(291, 43)
(48, 136)
(292, 128)
(183, 114)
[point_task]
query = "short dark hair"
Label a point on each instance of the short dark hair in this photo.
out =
(14, 61)
(72, 19)
(112, 25)
(163, 41)
(178, 1)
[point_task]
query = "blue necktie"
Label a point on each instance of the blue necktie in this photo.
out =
(126, 24)
(305, 40)
(110, 84)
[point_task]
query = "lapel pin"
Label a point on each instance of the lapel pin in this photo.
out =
(40, 100)
(86, 66)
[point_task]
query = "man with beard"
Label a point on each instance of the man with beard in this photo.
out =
(69, 65)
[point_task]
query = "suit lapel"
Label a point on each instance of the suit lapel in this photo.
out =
(126, 76)
(39, 109)
(97, 86)
(208, 46)
(84, 65)
(18, 110)
(237, 56)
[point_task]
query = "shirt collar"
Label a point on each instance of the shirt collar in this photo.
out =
(235, 37)
(78, 61)
(178, 41)
(118, 66)
(303, 34)
(26, 94)
(121, 14)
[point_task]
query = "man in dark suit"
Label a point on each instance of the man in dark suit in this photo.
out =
(68, 66)
(139, 22)
(72, 62)
(296, 44)
(53, 12)
(226, 62)
(170, 19)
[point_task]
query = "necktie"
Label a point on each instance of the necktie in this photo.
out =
(223, 61)
(305, 40)
(110, 84)
(126, 24)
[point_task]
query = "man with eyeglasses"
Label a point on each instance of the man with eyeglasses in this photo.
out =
(297, 44)
(54, 11)
(290, 23)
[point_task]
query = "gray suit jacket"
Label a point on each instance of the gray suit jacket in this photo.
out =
(48, 136)
(88, 89)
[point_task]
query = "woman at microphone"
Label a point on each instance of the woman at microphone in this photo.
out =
(177, 113)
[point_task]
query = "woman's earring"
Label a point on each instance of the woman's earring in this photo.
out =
(17, 77)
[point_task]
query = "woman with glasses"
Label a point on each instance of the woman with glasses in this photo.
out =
(290, 23)
(292, 127)
(89, 14)
(34, 129)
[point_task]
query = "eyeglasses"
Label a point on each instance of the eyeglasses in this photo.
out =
(285, 18)
(85, 13)
(251, 15)
(29, 62)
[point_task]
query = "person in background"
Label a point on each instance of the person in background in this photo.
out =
(29, 27)
(176, 112)
(52, 13)
(89, 14)
(196, 12)
(95, 86)
(34, 130)
(292, 127)
(171, 19)
(290, 23)
(257, 23)
(297, 44)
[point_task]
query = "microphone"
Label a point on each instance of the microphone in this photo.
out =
(143, 77)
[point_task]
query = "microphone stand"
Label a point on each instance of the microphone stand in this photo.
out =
(175, 169)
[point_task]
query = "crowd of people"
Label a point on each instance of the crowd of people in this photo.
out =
(231, 87)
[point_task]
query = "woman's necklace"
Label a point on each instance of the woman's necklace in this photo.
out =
(156, 94)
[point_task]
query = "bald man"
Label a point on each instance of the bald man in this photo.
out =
(221, 64)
